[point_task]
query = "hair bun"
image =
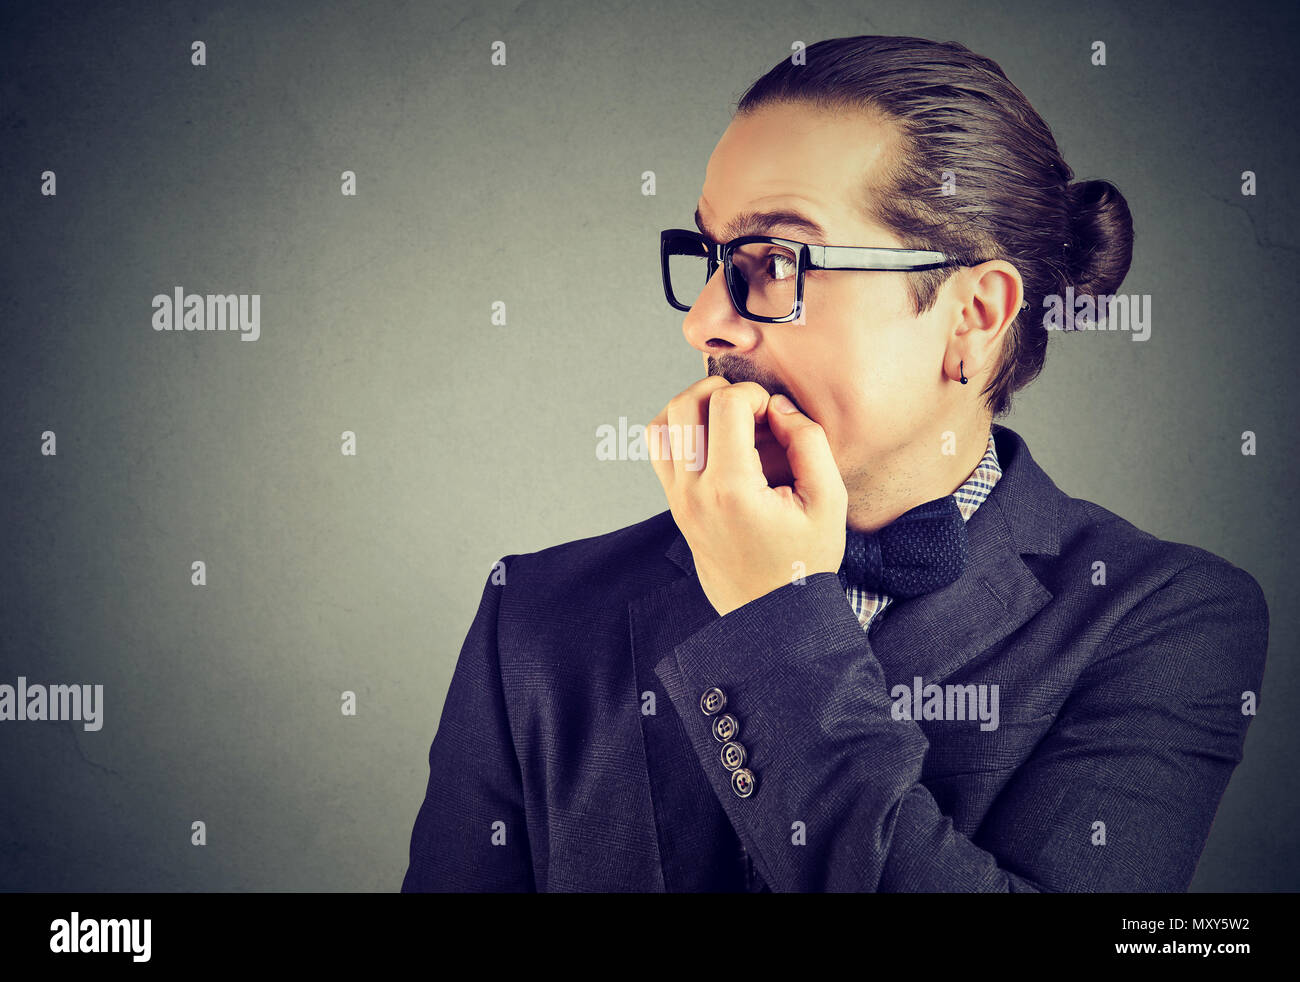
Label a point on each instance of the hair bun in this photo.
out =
(1101, 238)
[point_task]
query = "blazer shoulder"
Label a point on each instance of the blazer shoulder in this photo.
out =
(1091, 528)
(628, 560)
(1150, 583)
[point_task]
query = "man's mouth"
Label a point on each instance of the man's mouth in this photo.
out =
(766, 434)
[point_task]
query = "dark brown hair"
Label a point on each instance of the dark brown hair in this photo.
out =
(961, 122)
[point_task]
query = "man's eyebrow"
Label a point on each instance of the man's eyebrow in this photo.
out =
(760, 222)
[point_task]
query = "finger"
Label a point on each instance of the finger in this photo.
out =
(733, 412)
(817, 480)
(688, 426)
(661, 456)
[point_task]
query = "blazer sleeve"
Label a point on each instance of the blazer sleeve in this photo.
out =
(1144, 743)
(470, 834)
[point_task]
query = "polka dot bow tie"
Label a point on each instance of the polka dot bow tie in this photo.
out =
(920, 551)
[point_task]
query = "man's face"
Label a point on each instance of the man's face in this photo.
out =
(863, 365)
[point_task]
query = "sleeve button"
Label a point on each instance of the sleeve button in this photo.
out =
(733, 755)
(726, 727)
(712, 701)
(742, 782)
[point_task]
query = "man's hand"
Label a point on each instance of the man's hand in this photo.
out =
(748, 538)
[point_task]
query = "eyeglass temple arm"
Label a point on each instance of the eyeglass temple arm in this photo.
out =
(847, 257)
(854, 257)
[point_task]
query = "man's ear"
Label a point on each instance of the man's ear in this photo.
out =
(994, 297)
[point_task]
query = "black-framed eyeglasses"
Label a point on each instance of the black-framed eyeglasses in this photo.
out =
(764, 274)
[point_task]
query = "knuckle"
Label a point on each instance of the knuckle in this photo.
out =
(798, 431)
(705, 387)
(808, 427)
(730, 396)
(680, 404)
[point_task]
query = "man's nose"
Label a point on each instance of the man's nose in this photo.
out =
(712, 324)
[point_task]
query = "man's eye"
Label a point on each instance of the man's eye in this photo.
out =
(782, 266)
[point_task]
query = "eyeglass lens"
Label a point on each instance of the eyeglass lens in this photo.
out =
(764, 275)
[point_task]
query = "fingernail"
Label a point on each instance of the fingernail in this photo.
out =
(782, 404)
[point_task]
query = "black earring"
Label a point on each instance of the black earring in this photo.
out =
(960, 371)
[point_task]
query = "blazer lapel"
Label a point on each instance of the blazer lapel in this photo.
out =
(933, 635)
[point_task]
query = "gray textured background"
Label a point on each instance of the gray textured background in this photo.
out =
(328, 573)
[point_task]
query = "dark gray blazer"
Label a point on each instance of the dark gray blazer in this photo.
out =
(573, 753)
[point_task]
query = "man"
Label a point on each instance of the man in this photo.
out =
(870, 645)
